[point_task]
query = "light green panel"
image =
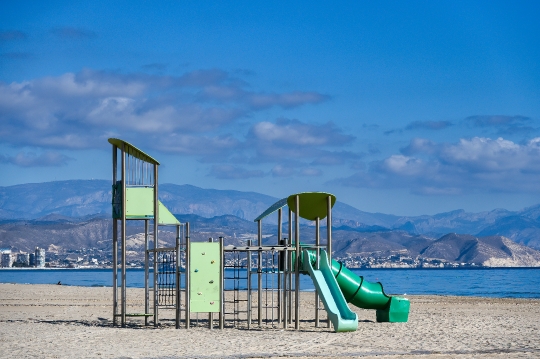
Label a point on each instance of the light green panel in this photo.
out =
(140, 202)
(165, 216)
(205, 267)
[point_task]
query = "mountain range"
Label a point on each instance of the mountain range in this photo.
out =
(75, 214)
(79, 198)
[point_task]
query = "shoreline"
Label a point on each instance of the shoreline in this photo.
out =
(355, 268)
(301, 291)
(70, 321)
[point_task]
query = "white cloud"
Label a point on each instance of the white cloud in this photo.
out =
(419, 145)
(283, 171)
(30, 159)
(296, 133)
(287, 100)
(187, 115)
(197, 145)
(49, 111)
(470, 165)
(404, 165)
(485, 154)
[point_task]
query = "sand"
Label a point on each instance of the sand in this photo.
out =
(50, 321)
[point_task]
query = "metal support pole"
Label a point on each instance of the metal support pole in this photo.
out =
(297, 264)
(115, 270)
(123, 239)
(222, 284)
(188, 277)
(289, 266)
(177, 282)
(146, 273)
(329, 236)
(317, 244)
(249, 297)
(210, 314)
(259, 273)
(285, 255)
(280, 260)
(115, 240)
(156, 224)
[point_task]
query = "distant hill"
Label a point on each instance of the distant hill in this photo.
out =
(74, 198)
(457, 221)
(520, 229)
(86, 198)
(497, 251)
(77, 198)
(62, 235)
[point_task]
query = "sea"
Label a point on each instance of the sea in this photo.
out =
(481, 282)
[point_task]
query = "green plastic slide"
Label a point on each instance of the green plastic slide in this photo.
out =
(369, 295)
(365, 294)
(341, 316)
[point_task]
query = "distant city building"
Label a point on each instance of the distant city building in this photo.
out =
(7, 258)
(23, 259)
(32, 259)
(39, 259)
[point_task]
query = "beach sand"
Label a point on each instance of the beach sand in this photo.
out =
(51, 321)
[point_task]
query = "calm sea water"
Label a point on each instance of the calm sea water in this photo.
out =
(493, 282)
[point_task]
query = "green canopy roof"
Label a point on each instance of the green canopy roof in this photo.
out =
(312, 204)
(133, 151)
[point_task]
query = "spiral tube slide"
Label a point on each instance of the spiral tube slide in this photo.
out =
(368, 295)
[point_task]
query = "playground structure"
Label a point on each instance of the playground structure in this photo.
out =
(246, 285)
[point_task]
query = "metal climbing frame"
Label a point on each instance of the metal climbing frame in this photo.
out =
(169, 276)
(267, 272)
(255, 272)
(270, 288)
(237, 264)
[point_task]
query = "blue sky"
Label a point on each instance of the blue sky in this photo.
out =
(397, 107)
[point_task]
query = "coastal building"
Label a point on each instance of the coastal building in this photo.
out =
(23, 259)
(7, 258)
(39, 258)
(32, 262)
